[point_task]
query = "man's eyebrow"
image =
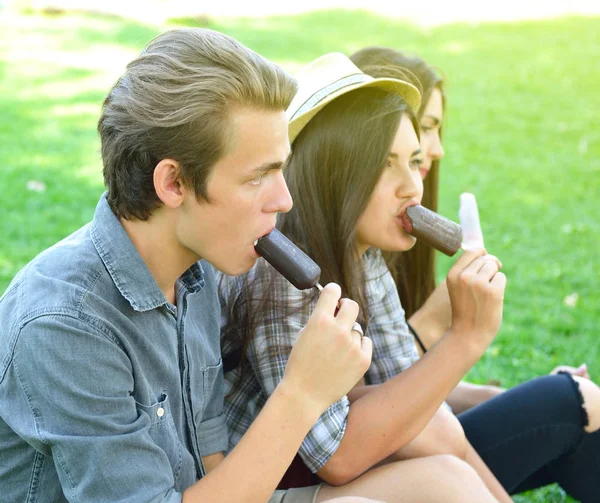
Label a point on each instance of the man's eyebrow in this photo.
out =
(270, 166)
(435, 120)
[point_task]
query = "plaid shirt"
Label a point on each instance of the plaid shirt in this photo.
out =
(282, 315)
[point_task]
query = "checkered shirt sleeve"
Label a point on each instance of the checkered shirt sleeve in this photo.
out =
(283, 313)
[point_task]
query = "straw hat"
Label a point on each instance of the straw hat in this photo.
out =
(331, 76)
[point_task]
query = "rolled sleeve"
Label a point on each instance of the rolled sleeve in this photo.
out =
(325, 436)
(287, 312)
(69, 391)
(213, 436)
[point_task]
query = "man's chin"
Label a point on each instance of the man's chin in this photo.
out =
(237, 269)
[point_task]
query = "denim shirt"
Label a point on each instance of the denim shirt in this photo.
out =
(107, 391)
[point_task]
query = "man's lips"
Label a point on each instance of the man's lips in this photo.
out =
(263, 235)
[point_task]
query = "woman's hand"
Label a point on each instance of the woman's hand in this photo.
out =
(580, 371)
(476, 289)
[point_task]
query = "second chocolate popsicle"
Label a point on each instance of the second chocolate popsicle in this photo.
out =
(433, 229)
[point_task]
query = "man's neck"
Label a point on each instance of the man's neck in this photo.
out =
(156, 242)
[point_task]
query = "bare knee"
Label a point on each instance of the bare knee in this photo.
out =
(460, 482)
(452, 435)
(590, 393)
(445, 435)
(431, 479)
(442, 435)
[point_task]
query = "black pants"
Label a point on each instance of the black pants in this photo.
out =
(532, 435)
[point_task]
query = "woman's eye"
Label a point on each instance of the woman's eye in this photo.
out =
(416, 163)
(426, 129)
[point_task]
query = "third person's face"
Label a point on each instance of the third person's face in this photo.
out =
(431, 122)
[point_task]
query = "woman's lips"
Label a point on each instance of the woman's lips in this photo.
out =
(406, 223)
(403, 217)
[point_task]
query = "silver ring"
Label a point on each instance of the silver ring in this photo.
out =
(357, 328)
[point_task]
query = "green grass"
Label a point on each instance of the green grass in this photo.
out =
(522, 133)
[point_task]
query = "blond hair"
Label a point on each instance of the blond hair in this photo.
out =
(174, 102)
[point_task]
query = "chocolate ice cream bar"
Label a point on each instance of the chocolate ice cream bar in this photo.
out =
(435, 230)
(292, 263)
(289, 260)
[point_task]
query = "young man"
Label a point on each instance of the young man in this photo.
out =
(111, 385)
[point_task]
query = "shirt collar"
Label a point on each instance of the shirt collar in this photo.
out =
(126, 267)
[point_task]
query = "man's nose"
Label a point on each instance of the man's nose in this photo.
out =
(281, 200)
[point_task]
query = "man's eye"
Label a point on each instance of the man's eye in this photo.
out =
(257, 180)
(426, 128)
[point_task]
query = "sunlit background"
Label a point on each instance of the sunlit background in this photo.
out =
(522, 133)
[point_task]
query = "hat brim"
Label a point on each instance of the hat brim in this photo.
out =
(407, 91)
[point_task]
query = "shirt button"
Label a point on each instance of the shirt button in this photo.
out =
(160, 412)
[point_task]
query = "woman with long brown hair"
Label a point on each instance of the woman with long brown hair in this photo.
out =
(543, 431)
(353, 171)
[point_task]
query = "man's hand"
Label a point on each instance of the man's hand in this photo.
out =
(328, 357)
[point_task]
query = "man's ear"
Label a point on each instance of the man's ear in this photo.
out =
(167, 183)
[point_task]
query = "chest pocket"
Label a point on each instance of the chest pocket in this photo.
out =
(163, 432)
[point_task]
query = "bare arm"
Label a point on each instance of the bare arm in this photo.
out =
(259, 461)
(434, 318)
(467, 395)
(430, 322)
(384, 420)
(326, 350)
(211, 461)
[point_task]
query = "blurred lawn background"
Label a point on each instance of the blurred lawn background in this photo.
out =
(522, 133)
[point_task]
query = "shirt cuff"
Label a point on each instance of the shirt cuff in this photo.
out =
(212, 435)
(325, 436)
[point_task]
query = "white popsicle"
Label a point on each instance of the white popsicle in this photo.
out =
(468, 216)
